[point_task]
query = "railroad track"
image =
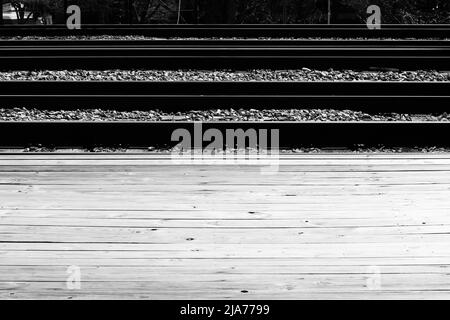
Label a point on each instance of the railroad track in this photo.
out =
(375, 97)
(408, 97)
(68, 134)
(169, 54)
(172, 96)
(249, 30)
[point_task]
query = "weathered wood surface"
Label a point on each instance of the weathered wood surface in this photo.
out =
(140, 226)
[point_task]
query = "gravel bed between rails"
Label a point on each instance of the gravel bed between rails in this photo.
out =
(158, 150)
(23, 114)
(303, 74)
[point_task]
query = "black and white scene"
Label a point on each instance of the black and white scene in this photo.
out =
(225, 150)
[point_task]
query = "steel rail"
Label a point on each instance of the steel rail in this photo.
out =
(62, 134)
(207, 43)
(372, 96)
(396, 31)
(237, 54)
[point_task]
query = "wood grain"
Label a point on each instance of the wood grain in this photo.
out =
(139, 226)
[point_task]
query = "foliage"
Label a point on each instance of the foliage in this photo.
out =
(406, 11)
(241, 11)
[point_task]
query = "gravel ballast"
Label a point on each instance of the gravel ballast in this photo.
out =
(158, 150)
(23, 114)
(137, 37)
(303, 74)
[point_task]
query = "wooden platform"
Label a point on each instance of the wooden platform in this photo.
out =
(143, 227)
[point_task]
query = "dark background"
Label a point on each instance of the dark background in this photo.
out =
(228, 11)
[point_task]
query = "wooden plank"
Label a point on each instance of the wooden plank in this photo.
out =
(249, 207)
(252, 168)
(112, 291)
(140, 227)
(207, 186)
(203, 250)
(299, 236)
(234, 267)
(271, 262)
(294, 221)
